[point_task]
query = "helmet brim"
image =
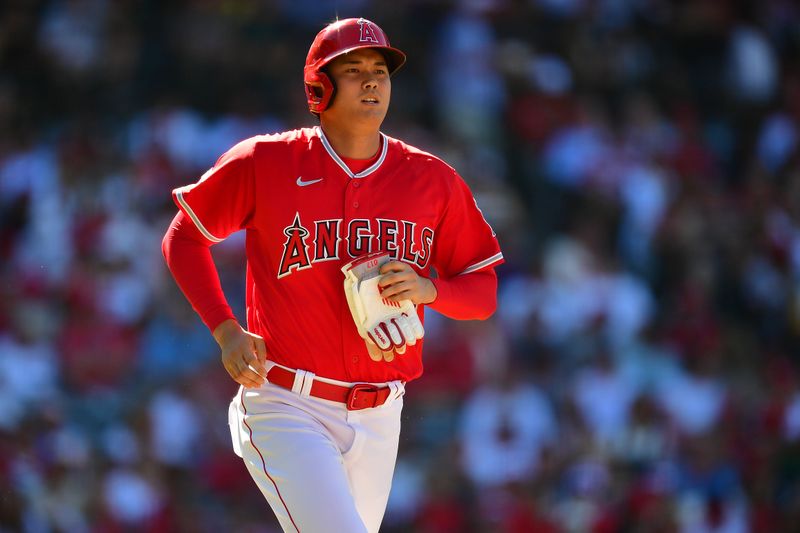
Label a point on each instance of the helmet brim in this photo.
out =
(394, 57)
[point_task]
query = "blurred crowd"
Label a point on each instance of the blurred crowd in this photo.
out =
(639, 160)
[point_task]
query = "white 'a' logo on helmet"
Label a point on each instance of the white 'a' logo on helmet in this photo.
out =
(367, 32)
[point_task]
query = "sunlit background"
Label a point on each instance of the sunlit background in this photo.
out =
(638, 159)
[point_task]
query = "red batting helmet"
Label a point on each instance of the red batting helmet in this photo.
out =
(336, 39)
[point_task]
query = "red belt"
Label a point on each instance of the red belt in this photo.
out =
(359, 396)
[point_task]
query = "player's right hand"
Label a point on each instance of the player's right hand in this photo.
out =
(244, 354)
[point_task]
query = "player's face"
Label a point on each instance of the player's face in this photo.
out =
(363, 88)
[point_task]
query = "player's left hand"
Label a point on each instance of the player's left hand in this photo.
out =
(401, 282)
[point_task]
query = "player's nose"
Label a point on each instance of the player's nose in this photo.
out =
(370, 83)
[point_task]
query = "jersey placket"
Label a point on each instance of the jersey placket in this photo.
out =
(358, 241)
(352, 210)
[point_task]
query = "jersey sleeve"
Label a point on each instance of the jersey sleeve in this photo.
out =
(464, 241)
(470, 296)
(189, 259)
(223, 200)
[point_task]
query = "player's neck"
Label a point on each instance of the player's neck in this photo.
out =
(352, 144)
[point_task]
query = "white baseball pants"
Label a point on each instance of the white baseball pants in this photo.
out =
(321, 467)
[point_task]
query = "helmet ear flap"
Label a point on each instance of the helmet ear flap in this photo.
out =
(319, 91)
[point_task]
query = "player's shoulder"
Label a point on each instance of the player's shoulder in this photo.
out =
(281, 140)
(419, 158)
(269, 144)
(270, 141)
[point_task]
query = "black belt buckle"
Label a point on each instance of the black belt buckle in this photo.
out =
(362, 396)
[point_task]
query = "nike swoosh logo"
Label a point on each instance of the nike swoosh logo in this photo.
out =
(302, 183)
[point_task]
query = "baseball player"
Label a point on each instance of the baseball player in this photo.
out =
(345, 228)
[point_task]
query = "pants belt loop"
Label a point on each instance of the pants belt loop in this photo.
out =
(305, 391)
(299, 381)
(398, 389)
(270, 366)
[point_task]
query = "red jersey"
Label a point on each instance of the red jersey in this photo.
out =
(306, 214)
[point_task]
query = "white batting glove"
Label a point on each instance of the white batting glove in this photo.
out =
(386, 326)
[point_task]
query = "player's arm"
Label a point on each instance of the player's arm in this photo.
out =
(471, 296)
(188, 256)
(464, 255)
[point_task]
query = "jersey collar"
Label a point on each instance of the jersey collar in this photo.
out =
(364, 173)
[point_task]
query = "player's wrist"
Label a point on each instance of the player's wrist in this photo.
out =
(430, 292)
(225, 329)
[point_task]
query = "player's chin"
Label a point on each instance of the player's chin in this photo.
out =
(373, 111)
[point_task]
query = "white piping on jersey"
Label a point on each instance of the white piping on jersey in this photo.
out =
(207, 234)
(486, 262)
(364, 173)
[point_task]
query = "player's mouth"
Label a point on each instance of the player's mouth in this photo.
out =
(370, 100)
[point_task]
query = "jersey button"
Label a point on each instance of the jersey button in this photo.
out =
(355, 204)
(355, 359)
(356, 184)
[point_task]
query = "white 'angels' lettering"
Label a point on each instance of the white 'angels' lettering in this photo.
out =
(402, 239)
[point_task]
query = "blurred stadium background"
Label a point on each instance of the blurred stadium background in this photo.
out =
(638, 158)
